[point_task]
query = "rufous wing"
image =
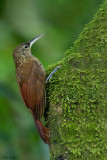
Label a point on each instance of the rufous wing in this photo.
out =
(31, 85)
(33, 92)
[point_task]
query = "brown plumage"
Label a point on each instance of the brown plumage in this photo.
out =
(30, 76)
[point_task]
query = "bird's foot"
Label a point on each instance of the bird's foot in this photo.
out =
(51, 74)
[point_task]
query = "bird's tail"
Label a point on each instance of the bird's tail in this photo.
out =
(43, 131)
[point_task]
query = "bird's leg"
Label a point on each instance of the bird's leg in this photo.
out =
(51, 74)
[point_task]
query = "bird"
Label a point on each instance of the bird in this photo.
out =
(30, 75)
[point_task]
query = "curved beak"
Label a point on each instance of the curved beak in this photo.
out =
(35, 39)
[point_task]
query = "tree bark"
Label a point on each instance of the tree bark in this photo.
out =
(76, 96)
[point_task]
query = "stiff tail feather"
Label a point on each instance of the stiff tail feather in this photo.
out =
(43, 131)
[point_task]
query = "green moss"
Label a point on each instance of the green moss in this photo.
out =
(76, 96)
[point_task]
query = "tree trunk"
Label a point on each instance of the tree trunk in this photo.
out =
(76, 96)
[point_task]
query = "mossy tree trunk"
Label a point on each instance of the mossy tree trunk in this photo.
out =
(76, 96)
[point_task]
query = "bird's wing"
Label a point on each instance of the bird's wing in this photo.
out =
(33, 91)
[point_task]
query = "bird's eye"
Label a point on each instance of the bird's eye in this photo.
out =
(26, 46)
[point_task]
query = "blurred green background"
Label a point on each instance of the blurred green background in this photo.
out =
(20, 21)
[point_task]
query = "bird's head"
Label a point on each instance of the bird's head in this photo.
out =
(25, 48)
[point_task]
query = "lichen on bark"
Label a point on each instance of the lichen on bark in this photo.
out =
(76, 96)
